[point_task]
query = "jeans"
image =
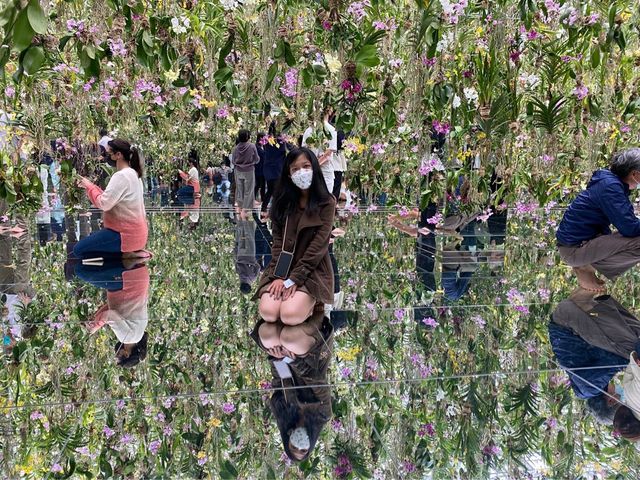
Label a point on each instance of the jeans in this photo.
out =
(105, 242)
(108, 276)
(185, 195)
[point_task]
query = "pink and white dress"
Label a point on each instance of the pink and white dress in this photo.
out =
(123, 205)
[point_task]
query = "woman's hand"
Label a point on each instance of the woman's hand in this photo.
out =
(276, 288)
(289, 292)
(84, 182)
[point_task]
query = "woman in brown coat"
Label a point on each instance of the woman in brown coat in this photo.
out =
(302, 215)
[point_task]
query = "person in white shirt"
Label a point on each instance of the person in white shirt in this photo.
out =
(122, 202)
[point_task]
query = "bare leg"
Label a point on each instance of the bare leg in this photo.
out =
(269, 308)
(296, 340)
(297, 309)
(270, 335)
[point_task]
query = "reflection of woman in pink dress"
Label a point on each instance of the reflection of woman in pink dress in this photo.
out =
(122, 202)
(126, 309)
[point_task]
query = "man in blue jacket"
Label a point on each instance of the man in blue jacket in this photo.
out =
(591, 337)
(584, 237)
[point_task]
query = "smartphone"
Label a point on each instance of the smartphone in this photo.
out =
(283, 265)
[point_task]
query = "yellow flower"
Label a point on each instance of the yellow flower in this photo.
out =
(215, 422)
(349, 354)
(479, 31)
(201, 455)
(625, 15)
(193, 92)
(171, 75)
(208, 103)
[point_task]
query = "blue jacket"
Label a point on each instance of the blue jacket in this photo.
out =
(604, 202)
(273, 160)
(571, 351)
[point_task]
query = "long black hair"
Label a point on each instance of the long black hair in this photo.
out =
(286, 197)
(287, 415)
(129, 152)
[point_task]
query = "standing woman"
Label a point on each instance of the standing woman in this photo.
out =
(245, 157)
(302, 215)
(122, 202)
(191, 190)
(261, 186)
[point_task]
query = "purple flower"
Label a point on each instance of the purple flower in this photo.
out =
(426, 429)
(430, 322)
(441, 127)
(56, 468)
(290, 83)
(155, 446)
(491, 450)
(551, 423)
(117, 47)
(343, 468)
(167, 431)
(357, 9)
(228, 408)
(625, 128)
(378, 148)
(108, 432)
(408, 467)
(345, 372)
(532, 34)
(126, 439)
(399, 314)
(436, 219)
(182, 90)
(428, 62)
(120, 404)
(223, 112)
(580, 91)
(36, 415)
(479, 321)
(10, 91)
(326, 25)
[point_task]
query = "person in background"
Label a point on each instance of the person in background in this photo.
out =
(208, 178)
(261, 186)
(245, 157)
(187, 193)
(247, 267)
(327, 160)
(103, 143)
(122, 202)
(339, 164)
(584, 237)
(275, 151)
(302, 216)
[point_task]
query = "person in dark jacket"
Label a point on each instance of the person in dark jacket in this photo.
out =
(584, 237)
(592, 337)
(302, 216)
(275, 152)
(245, 157)
(301, 398)
(261, 186)
(247, 267)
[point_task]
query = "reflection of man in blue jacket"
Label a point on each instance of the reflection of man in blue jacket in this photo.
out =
(592, 337)
(584, 236)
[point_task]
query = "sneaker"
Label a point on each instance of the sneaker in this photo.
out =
(338, 300)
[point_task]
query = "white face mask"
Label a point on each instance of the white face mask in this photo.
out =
(302, 178)
(300, 439)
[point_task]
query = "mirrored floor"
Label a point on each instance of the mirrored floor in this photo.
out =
(433, 362)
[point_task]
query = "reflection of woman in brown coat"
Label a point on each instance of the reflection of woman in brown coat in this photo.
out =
(300, 413)
(302, 214)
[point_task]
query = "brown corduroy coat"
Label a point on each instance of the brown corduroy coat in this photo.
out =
(311, 265)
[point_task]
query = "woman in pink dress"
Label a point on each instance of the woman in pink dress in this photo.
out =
(125, 223)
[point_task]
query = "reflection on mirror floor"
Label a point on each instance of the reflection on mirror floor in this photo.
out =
(434, 362)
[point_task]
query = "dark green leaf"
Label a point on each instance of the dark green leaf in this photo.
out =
(37, 19)
(224, 51)
(63, 42)
(271, 74)
(33, 60)
(288, 55)
(368, 56)
(22, 32)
